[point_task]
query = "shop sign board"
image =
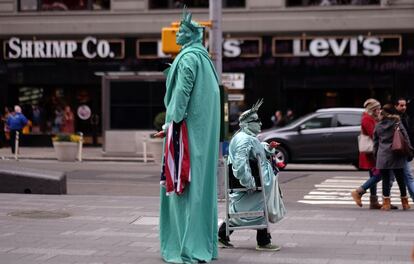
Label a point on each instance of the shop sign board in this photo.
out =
(245, 47)
(88, 48)
(320, 46)
(236, 97)
(233, 81)
(84, 112)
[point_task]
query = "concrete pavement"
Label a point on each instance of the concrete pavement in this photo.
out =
(123, 229)
(48, 153)
(93, 229)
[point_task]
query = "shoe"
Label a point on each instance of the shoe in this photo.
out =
(373, 202)
(357, 195)
(405, 204)
(268, 247)
(386, 203)
(394, 207)
(222, 243)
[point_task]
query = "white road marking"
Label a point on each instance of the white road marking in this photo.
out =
(337, 190)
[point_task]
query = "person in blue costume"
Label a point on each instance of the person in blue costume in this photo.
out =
(244, 146)
(188, 222)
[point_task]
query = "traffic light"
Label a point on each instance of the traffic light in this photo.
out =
(169, 45)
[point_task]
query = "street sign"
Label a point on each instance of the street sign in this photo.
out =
(233, 81)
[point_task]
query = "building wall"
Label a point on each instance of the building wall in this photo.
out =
(131, 17)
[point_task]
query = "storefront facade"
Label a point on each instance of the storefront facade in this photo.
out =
(284, 54)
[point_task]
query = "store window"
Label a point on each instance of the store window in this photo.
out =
(134, 104)
(296, 3)
(63, 5)
(170, 4)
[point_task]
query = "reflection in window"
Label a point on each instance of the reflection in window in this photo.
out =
(169, 4)
(348, 120)
(330, 2)
(63, 5)
(318, 122)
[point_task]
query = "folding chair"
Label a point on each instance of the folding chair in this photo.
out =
(232, 184)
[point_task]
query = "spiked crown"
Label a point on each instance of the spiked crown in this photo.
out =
(251, 114)
(187, 22)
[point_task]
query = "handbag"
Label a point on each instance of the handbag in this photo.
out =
(365, 143)
(399, 143)
(275, 206)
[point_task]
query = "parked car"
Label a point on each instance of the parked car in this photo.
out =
(327, 135)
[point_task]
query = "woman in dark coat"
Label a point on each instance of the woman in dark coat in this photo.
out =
(386, 159)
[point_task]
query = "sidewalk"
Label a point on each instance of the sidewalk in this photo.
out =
(48, 153)
(69, 229)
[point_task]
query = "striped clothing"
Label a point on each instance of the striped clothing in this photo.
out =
(176, 167)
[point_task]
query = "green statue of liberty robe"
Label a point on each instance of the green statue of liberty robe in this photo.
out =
(188, 222)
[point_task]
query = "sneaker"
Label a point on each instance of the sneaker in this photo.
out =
(268, 247)
(222, 243)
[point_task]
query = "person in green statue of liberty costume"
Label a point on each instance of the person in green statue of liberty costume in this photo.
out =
(244, 147)
(188, 222)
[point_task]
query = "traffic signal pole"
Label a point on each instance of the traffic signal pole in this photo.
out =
(216, 35)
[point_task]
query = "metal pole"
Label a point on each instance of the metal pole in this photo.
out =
(16, 146)
(216, 35)
(80, 146)
(144, 149)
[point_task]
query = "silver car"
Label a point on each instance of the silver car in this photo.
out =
(327, 135)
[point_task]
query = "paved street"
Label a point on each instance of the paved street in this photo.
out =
(110, 215)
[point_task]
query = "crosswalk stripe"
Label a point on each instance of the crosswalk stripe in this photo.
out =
(337, 190)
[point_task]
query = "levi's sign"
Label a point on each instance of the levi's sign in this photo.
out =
(88, 48)
(337, 46)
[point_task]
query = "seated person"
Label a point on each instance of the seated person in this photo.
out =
(244, 146)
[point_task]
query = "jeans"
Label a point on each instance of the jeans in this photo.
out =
(399, 176)
(371, 183)
(262, 237)
(408, 178)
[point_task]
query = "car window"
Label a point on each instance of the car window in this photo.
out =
(348, 120)
(321, 121)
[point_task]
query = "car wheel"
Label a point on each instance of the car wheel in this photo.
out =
(282, 155)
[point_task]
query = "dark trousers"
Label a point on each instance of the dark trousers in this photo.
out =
(399, 176)
(262, 237)
(13, 138)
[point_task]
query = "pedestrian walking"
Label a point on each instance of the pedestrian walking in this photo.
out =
(15, 122)
(278, 119)
(388, 160)
(6, 127)
(244, 147)
(366, 159)
(2, 136)
(188, 215)
(401, 107)
(290, 116)
(68, 124)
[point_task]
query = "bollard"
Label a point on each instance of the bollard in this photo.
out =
(144, 149)
(16, 146)
(221, 174)
(80, 146)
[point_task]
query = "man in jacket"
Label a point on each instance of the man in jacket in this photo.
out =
(401, 107)
(16, 121)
